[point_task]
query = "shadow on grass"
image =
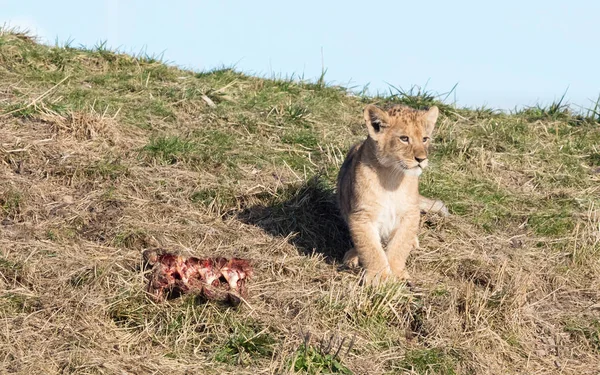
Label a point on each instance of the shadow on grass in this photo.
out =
(308, 212)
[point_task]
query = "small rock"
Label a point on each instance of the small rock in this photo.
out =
(68, 199)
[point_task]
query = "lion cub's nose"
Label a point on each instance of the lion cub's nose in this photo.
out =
(419, 159)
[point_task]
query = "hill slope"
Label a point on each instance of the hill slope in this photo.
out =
(104, 154)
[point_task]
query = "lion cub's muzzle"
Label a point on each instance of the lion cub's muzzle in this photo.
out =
(422, 162)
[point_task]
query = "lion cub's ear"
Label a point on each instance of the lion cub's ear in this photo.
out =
(376, 120)
(431, 117)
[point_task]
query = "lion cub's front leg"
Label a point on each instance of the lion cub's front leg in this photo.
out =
(403, 240)
(368, 249)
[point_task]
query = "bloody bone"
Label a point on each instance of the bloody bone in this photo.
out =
(215, 279)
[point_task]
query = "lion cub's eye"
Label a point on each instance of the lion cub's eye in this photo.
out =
(404, 139)
(425, 139)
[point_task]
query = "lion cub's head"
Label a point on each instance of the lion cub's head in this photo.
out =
(401, 136)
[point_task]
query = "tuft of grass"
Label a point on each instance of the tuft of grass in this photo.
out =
(85, 277)
(11, 272)
(304, 138)
(309, 360)
(552, 223)
(11, 203)
(587, 331)
(594, 159)
(416, 97)
(429, 361)
(218, 73)
(558, 109)
(204, 150)
(296, 112)
(244, 344)
(220, 197)
(107, 169)
(35, 110)
(20, 303)
(593, 113)
(131, 239)
(379, 307)
(169, 150)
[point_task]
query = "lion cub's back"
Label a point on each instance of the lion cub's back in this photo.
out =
(346, 181)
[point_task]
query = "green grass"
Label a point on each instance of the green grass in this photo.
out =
(416, 97)
(11, 271)
(309, 360)
(594, 159)
(587, 331)
(11, 203)
(170, 150)
(109, 169)
(244, 344)
(19, 303)
(552, 223)
(374, 310)
(85, 277)
(429, 361)
(304, 138)
(219, 196)
(29, 111)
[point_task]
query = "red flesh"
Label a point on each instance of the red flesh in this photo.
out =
(174, 273)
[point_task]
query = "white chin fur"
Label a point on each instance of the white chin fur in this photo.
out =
(416, 172)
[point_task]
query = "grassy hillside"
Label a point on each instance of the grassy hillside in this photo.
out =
(104, 154)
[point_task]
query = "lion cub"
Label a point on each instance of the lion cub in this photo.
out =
(378, 189)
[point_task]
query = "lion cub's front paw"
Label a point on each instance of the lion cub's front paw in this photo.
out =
(377, 278)
(404, 275)
(351, 259)
(400, 271)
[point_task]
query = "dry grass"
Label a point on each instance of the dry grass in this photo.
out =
(104, 154)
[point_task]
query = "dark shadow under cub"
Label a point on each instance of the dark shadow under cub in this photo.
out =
(309, 211)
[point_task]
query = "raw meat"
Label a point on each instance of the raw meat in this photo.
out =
(217, 279)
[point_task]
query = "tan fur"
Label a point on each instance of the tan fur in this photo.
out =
(378, 189)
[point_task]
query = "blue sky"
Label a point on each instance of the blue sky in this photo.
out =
(502, 54)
